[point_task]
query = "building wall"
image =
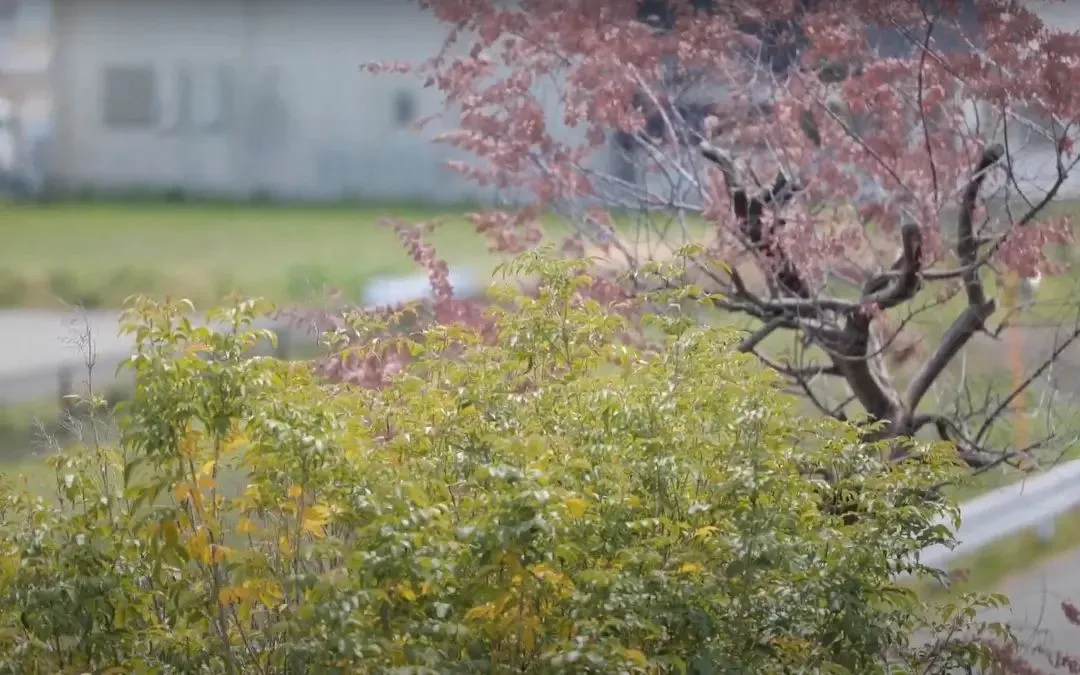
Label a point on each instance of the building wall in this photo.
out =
(251, 96)
(1057, 14)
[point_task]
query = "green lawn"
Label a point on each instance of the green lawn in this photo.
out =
(98, 253)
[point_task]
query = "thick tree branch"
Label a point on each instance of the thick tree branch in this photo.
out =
(749, 212)
(864, 374)
(970, 453)
(849, 348)
(854, 356)
(979, 308)
(902, 282)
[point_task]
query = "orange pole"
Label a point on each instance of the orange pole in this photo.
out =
(1016, 365)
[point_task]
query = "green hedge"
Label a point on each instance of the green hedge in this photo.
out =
(538, 498)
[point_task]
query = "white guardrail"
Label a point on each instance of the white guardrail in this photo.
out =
(1031, 503)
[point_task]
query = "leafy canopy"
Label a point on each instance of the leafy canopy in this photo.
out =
(549, 500)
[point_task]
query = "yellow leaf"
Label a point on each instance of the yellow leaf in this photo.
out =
(270, 592)
(198, 545)
(231, 594)
(189, 444)
(237, 440)
(511, 560)
(576, 506)
(690, 568)
(197, 348)
(566, 629)
(120, 615)
(294, 491)
(541, 571)
(406, 592)
(637, 656)
(171, 532)
(208, 468)
(705, 531)
(245, 526)
(285, 545)
(499, 606)
(484, 611)
(315, 517)
(529, 628)
(181, 491)
(219, 553)
(9, 564)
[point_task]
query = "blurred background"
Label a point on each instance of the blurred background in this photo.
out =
(211, 146)
(202, 149)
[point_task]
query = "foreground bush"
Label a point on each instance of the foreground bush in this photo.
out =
(551, 500)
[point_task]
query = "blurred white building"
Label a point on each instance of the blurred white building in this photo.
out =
(25, 92)
(242, 97)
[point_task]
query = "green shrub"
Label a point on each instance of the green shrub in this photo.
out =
(546, 500)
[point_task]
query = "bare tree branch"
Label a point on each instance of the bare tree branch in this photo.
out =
(979, 308)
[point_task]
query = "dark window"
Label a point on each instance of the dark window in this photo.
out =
(404, 108)
(130, 97)
(950, 35)
(781, 42)
(185, 92)
(661, 13)
(225, 87)
(8, 9)
(783, 38)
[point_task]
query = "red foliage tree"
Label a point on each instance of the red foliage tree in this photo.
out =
(887, 128)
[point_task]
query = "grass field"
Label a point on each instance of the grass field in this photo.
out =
(96, 254)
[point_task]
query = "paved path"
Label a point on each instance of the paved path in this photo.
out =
(36, 345)
(1035, 613)
(34, 340)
